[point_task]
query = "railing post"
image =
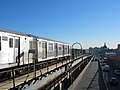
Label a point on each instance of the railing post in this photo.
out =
(56, 63)
(47, 67)
(13, 77)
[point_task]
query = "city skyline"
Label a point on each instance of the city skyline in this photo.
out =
(90, 22)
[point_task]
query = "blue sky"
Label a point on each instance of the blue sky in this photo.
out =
(90, 22)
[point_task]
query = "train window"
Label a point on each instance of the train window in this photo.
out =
(39, 44)
(16, 43)
(43, 45)
(0, 42)
(11, 42)
(50, 46)
(66, 48)
(4, 38)
(60, 48)
(44, 49)
(30, 44)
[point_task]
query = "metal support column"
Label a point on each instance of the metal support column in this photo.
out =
(19, 51)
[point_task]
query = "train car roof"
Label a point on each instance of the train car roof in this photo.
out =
(12, 31)
(29, 35)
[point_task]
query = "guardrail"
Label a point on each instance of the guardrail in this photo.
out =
(63, 81)
(102, 85)
(29, 68)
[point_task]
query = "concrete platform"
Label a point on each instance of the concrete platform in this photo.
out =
(88, 79)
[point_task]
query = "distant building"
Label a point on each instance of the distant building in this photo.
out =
(105, 47)
(94, 50)
(105, 52)
(118, 47)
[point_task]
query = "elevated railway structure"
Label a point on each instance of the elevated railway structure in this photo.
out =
(47, 77)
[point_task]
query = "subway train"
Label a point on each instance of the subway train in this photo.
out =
(21, 48)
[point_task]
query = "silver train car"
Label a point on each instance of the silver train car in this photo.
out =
(19, 48)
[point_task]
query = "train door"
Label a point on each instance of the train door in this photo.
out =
(44, 50)
(56, 49)
(16, 46)
(63, 50)
(13, 49)
(33, 50)
(23, 50)
(68, 50)
(39, 50)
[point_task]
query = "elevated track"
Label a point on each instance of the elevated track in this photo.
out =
(49, 77)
